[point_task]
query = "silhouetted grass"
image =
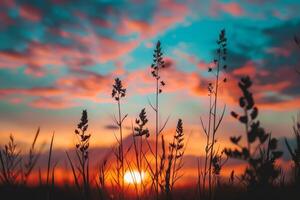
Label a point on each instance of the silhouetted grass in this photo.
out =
(295, 153)
(82, 155)
(157, 65)
(212, 159)
(118, 92)
(260, 150)
(16, 168)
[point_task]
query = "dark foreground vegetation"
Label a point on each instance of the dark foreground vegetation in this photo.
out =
(70, 193)
(263, 178)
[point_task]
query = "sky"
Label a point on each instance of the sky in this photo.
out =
(58, 57)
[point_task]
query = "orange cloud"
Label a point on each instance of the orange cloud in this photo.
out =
(43, 91)
(284, 105)
(250, 69)
(52, 103)
(88, 86)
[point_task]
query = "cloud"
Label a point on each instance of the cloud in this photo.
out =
(65, 92)
(37, 91)
(251, 69)
(199, 63)
(86, 86)
(176, 80)
(83, 37)
(111, 127)
(80, 37)
(167, 14)
(30, 13)
(52, 103)
(231, 8)
(279, 51)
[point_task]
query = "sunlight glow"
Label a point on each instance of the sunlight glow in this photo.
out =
(134, 177)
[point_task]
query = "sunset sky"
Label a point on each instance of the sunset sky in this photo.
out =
(58, 57)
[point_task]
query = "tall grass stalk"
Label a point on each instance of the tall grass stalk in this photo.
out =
(49, 168)
(82, 155)
(221, 58)
(32, 159)
(118, 92)
(140, 131)
(157, 65)
(214, 118)
(295, 152)
(102, 176)
(176, 151)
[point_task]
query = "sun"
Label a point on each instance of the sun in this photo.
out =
(134, 177)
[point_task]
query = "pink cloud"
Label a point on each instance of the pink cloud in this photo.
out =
(30, 13)
(42, 91)
(65, 92)
(102, 23)
(232, 8)
(10, 59)
(88, 86)
(176, 80)
(279, 51)
(251, 69)
(52, 103)
(201, 64)
(5, 20)
(7, 3)
(37, 56)
(92, 48)
(167, 14)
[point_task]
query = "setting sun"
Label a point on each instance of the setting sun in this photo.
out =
(134, 177)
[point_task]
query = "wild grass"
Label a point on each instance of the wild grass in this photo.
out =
(260, 149)
(102, 178)
(49, 168)
(157, 65)
(118, 92)
(214, 118)
(82, 155)
(139, 133)
(175, 163)
(15, 168)
(295, 152)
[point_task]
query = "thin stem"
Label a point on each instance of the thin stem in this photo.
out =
(156, 134)
(121, 146)
(247, 130)
(207, 145)
(214, 123)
